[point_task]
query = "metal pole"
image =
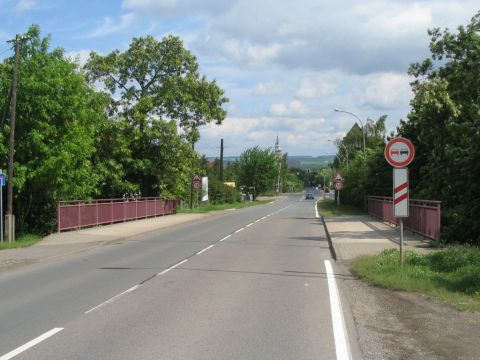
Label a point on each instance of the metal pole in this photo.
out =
(361, 123)
(1, 212)
(401, 241)
(11, 143)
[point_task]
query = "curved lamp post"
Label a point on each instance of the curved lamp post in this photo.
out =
(346, 151)
(361, 123)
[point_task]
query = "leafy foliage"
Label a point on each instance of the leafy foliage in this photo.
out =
(56, 119)
(258, 169)
(444, 125)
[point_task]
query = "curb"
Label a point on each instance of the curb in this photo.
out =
(330, 244)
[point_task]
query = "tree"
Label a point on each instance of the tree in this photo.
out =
(158, 79)
(56, 117)
(257, 169)
(444, 126)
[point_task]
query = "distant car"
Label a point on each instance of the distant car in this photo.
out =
(309, 196)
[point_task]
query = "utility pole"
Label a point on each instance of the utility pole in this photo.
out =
(221, 160)
(10, 219)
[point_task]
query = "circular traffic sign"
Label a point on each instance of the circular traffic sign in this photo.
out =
(338, 185)
(197, 182)
(399, 152)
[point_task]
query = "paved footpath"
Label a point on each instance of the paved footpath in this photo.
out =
(70, 242)
(353, 236)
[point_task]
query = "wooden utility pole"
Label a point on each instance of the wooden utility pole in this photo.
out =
(10, 219)
(221, 160)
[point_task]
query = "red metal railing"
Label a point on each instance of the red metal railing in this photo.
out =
(76, 214)
(424, 215)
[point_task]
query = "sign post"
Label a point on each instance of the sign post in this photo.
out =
(399, 153)
(2, 184)
(338, 181)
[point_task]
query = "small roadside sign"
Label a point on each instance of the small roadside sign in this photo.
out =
(338, 177)
(400, 192)
(399, 152)
(197, 182)
(338, 185)
(2, 179)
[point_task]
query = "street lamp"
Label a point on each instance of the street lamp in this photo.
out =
(363, 127)
(346, 151)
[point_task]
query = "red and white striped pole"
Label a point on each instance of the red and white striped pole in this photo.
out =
(400, 200)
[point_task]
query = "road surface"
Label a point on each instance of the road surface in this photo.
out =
(244, 284)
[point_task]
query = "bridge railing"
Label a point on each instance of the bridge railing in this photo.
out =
(76, 214)
(424, 215)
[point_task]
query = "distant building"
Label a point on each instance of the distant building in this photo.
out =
(354, 137)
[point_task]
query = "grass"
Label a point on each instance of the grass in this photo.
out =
(218, 207)
(330, 208)
(24, 240)
(451, 275)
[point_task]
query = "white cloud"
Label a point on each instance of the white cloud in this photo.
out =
(24, 6)
(267, 88)
(176, 7)
(110, 25)
(385, 90)
(314, 88)
(297, 136)
(250, 54)
(294, 109)
(80, 56)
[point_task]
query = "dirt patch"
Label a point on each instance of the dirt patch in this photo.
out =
(9, 264)
(401, 325)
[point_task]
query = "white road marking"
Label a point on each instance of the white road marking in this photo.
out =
(112, 299)
(202, 251)
(225, 238)
(249, 224)
(30, 344)
(316, 209)
(237, 231)
(172, 267)
(339, 332)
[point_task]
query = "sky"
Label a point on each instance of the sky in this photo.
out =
(285, 65)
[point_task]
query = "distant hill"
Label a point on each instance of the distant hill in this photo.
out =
(310, 162)
(301, 162)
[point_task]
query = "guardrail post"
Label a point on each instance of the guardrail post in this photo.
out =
(79, 216)
(111, 211)
(58, 216)
(96, 207)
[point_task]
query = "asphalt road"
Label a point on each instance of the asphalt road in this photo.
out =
(260, 292)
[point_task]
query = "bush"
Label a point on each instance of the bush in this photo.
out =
(453, 258)
(219, 193)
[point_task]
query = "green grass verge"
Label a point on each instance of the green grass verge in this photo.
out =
(330, 208)
(451, 275)
(217, 207)
(22, 241)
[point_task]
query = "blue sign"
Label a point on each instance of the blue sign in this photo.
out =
(2, 179)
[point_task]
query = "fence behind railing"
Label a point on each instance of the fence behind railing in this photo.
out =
(76, 214)
(424, 215)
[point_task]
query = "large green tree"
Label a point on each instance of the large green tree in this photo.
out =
(151, 84)
(158, 79)
(54, 136)
(444, 125)
(257, 168)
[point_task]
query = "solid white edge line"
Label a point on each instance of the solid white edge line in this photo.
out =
(30, 344)
(339, 332)
(202, 251)
(112, 299)
(316, 209)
